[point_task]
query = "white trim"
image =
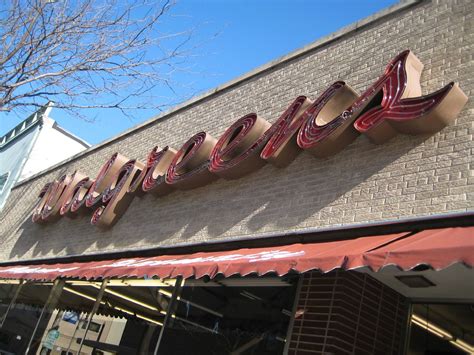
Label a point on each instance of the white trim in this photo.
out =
(2, 187)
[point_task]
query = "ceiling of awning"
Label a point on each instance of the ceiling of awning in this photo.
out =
(436, 248)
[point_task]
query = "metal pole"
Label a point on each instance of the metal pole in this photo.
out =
(57, 319)
(169, 311)
(94, 310)
(50, 304)
(293, 314)
(79, 320)
(12, 302)
(248, 345)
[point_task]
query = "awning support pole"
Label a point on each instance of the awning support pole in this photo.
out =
(79, 320)
(49, 306)
(293, 314)
(170, 311)
(248, 345)
(12, 302)
(94, 310)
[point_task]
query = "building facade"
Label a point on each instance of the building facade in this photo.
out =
(32, 146)
(350, 235)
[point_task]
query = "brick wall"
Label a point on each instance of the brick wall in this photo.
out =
(348, 313)
(408, 176)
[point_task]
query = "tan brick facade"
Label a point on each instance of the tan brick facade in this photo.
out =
(406, 177)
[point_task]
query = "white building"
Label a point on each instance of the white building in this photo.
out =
(32, 146)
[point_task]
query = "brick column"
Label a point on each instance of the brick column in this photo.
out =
(345, 312)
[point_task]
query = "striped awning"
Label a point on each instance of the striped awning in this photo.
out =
(435, 248)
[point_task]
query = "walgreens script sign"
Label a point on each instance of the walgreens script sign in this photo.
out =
(392, 105)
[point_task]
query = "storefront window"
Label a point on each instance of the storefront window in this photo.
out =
(7, 293)
(69, 317)
(442, 329)
(234, 315)
(127, 319)
(23, 316)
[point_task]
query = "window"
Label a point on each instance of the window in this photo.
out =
(3, 181)
(93, 327)
(240, 315)
(439, 328)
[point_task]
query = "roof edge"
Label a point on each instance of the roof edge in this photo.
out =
(354, 27)
(36, 118)
(71, 135)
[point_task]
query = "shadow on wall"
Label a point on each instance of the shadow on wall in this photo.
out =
(269, 199)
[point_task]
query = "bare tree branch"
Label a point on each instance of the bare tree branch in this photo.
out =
(87, 54)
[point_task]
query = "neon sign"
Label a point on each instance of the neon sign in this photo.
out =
(323, 127)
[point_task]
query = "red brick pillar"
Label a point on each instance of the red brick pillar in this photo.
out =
(346, 312)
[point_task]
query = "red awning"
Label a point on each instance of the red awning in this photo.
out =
(437, 248)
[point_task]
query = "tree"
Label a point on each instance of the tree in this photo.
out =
(86, 53)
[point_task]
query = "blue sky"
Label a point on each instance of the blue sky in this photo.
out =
(232, 37)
